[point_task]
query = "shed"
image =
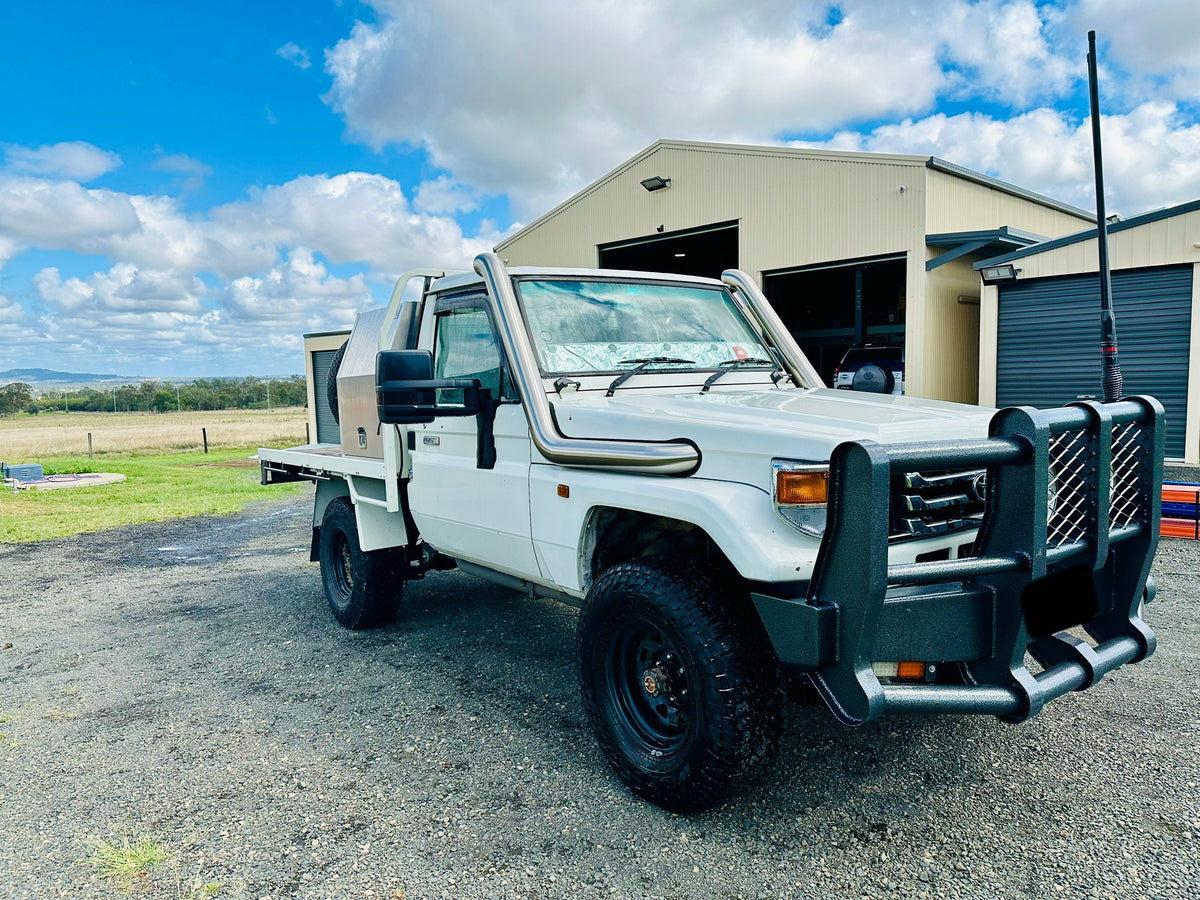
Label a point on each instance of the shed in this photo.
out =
(1040, 327)
(851, 248)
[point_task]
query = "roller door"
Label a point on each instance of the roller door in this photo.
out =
(328, 431)
(1049, 340)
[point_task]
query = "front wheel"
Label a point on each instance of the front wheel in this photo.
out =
(683, 692)
(363, 588)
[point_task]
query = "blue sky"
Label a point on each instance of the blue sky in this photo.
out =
(185, 189)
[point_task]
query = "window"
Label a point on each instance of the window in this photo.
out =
(580, 327)
(466, 348)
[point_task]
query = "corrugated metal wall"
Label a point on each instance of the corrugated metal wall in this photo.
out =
(1048, 349)
(1164, 242)
(792, 209)
(951, 347)
(957, 204)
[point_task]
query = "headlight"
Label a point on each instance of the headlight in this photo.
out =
(801, 494)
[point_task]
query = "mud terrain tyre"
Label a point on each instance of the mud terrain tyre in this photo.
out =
(679, 681)
(331, 388)
(363, 589)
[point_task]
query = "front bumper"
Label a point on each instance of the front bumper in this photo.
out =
(1064, 551)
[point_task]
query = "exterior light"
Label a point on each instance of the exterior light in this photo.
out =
(656, 183)
(996, 274)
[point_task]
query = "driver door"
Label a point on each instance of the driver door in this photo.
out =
(479, 515)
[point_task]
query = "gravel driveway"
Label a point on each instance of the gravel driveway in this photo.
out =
(184, 679)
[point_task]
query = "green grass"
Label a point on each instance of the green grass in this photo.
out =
(124, 860)
(169, 486)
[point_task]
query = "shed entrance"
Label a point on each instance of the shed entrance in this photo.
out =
(707, 251)
(832, 307)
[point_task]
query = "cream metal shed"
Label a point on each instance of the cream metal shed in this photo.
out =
(1040, 331)
(851, 248)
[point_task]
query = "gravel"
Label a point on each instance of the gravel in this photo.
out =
(184, 680)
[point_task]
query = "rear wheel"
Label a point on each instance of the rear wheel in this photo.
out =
(684, 694)
(363, 588)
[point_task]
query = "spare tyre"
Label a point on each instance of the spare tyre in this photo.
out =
(331, 392)
(874, 379)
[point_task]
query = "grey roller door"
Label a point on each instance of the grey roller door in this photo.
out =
(1049, 340)
(328, 431)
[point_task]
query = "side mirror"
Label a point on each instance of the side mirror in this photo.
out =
(406, 393)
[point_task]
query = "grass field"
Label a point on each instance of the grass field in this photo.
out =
(159, 484)
(27, 438)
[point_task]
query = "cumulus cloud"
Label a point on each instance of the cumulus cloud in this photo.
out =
(1151, 155)
(294, 54)
(298, 291)
(267, 258)
(11, 312)
(537, 110)
(444, 195)
(123, 288)
(76, 160)
(62, 215)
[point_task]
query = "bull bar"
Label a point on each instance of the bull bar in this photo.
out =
(1069, 531)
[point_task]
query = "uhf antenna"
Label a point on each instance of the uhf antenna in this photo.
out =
(1108, 321)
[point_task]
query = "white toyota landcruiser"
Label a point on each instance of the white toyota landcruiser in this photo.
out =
(658, 451)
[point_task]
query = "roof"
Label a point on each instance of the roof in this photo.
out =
(930, 162)
(1090, 233)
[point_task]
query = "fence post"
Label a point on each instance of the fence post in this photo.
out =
(89, 445)
(204, 433)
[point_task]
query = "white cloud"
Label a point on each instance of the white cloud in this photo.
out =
(62, 214)
(74, 160)
(444, 196)
(539, 109)
(1157, 45)
(1151, 154)
(294, 54)
(298, 292)
(267, 255)
(11, 312)
(123, 288)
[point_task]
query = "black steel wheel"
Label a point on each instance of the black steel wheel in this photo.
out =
(679, 681)
(363, 589)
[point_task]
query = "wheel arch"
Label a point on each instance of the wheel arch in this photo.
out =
(613, 535)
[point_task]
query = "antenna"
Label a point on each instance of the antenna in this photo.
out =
(1108, 321)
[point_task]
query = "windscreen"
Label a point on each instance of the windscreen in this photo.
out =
(603, 326)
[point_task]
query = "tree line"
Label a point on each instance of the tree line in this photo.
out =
(160, 396)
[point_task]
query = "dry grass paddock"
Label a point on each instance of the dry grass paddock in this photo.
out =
(27, 438)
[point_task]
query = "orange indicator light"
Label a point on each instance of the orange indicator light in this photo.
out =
(911, 670)
(797, 488)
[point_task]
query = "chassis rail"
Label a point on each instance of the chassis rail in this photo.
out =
(1068, 535)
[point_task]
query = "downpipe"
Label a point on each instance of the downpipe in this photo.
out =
(679, 457)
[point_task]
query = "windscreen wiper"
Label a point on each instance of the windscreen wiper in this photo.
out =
(641, 364)
(730, 364)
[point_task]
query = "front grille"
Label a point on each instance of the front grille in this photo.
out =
(926, 504)
(1072, 505)
(1131, 459)
(1072, 501)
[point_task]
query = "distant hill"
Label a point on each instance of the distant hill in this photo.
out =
(49, 376)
